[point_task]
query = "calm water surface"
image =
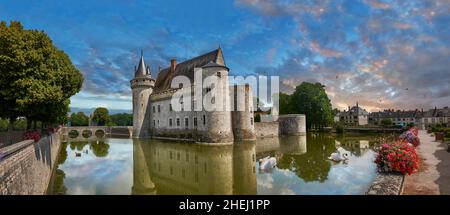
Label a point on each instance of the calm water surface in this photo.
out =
(131, 166)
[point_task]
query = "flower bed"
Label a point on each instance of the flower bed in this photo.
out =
(411, 136)
(32, 135)
(400, 156)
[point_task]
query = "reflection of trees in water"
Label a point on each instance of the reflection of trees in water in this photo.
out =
(314, 164)
(58, 185)
(62, 154)
(100, 148)
(78, 145)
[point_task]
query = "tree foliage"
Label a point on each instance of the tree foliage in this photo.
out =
(37, 79)
(309, 99)
(101, 116)
(386, 122)
(121, 119)
(79, 119)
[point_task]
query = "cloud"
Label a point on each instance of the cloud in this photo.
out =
(378, 5)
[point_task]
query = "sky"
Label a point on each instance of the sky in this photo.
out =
(380, 53)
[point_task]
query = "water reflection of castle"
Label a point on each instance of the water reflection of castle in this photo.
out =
(161, 168)
(176, 168)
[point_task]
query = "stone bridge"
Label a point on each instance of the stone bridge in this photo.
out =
(80, 133)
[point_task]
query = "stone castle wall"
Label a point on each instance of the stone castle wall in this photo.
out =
(26, 167)
(292, 124)
(266, 129)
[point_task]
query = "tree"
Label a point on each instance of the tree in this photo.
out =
(79, 119)
(311, 99)
(101, 116)
(36, 79)
(386, 122)
(284, 103)
(121, 119)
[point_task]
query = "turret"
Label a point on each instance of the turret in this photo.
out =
(142, 87)
(242, 112)
(219, 120)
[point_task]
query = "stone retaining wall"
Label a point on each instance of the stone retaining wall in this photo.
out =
(387, 184)
(292, 124)
(266, 129)
(26, 167)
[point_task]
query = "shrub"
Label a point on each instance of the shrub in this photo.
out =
(32, 135)
(399, 157)
(339, 128)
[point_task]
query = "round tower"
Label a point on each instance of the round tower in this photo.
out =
(219, 120)
(142, 87)
(242, 113)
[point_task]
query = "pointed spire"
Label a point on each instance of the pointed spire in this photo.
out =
(142, 70)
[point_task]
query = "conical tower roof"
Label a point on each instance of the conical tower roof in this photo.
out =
(141, 70)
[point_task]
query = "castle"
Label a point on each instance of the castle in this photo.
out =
(154, 116)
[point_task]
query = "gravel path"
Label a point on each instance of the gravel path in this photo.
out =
(433, 177)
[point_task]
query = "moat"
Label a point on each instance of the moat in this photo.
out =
(132, 166)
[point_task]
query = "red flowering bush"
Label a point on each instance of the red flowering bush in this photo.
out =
(32, 135)
(399, 157)
(411, 136)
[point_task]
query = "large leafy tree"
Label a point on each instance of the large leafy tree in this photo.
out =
(101, 116)
(79, 119)
(36, 79)
(309, 99)
(122, 119)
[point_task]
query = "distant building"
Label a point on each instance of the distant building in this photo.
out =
(420, 118)
(398, 117)
(353, 116)
(435, 116)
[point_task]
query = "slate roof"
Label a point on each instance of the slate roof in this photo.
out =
(142, 71)
(186, 68)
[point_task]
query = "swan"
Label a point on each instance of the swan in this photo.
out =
(267, 163)
(340, 155)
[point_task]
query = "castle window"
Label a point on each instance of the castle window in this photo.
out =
(170, 122)
(178, 122)
(186, 122)
(142, 104)
(195, 121)
(204, 119)
(213, 100)
(208, 89)
(159, 108)
(158, 122)
(178, 155)
(154, 123)
(251, 120)
(170, 107)
(181, 85)
(153, 109)
(219, 74)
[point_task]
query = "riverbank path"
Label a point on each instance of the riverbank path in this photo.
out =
(433, 177)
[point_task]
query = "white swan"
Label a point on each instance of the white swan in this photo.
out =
(267, 163)
(340, 155)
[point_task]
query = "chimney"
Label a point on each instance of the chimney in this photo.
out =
(173, 64)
